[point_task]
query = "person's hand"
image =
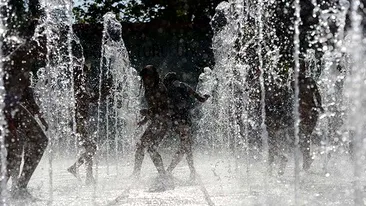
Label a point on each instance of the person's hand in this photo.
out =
(142, 122)
(205, 97)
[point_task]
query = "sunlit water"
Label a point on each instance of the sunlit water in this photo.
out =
(233, 168)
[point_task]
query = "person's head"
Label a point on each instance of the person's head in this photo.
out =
(149, 76)
(169, 78)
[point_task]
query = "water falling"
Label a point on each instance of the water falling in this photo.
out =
(206, 85)
(224, 82)
(331, 80)
(240, 61)
(124, 102)
(233, 44)
(296, 96)
(232, 123)
(57, 74)
(3, 152)
(356, 84)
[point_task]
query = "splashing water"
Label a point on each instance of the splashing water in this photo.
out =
(55, 81)
(242, 86)
(3, 152)
(338, 71)
(124, 97)
(355, 85)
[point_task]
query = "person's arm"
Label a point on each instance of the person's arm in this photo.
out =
(143, 121)
(33, 106)
(191, 91)
(146, 113)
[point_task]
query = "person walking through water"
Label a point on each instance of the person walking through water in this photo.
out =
(180, 98)
(83, 99)
(25, 140)
(310, 107)
(158, 115)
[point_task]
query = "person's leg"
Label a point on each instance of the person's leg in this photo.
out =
(307, 127)
(140, 149)
(91, 149)
(305, 135)
(305, 150)
(81, 138)
(14, 148)
(36, 144)
(14, 158)
(272, 147)
(139, 158)
(178, 156)
(164, 181)
(284, 135)
(185, 147)
(80, 161)
(189, 152)
(159, 129)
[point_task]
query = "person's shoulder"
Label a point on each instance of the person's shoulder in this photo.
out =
(162, 87)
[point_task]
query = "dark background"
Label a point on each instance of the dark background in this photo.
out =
(182, 48)
(174, 35)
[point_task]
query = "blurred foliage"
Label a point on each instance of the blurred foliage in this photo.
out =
(173, 11)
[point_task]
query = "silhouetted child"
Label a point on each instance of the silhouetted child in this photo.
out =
(158, 115)
(180, 99)
(25, 137)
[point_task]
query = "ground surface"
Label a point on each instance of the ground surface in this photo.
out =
(246, 185)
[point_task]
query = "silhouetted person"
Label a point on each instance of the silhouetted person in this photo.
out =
(254, 108)
(83, 99)
(278, 120)
(25, 135)
(180, 98)
(310, 105)
(158, 115)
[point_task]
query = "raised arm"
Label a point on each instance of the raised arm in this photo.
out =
(191, 91)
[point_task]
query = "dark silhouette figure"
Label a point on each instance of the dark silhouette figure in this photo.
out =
(83, 98)
(25, 135)
(280, 120)
(253, 108)
(158, 114)
(180, 98)
(310, 106)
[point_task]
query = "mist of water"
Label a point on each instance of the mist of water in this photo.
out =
(337, 65)
(233, 121)
(55, 82)
(124, 98)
